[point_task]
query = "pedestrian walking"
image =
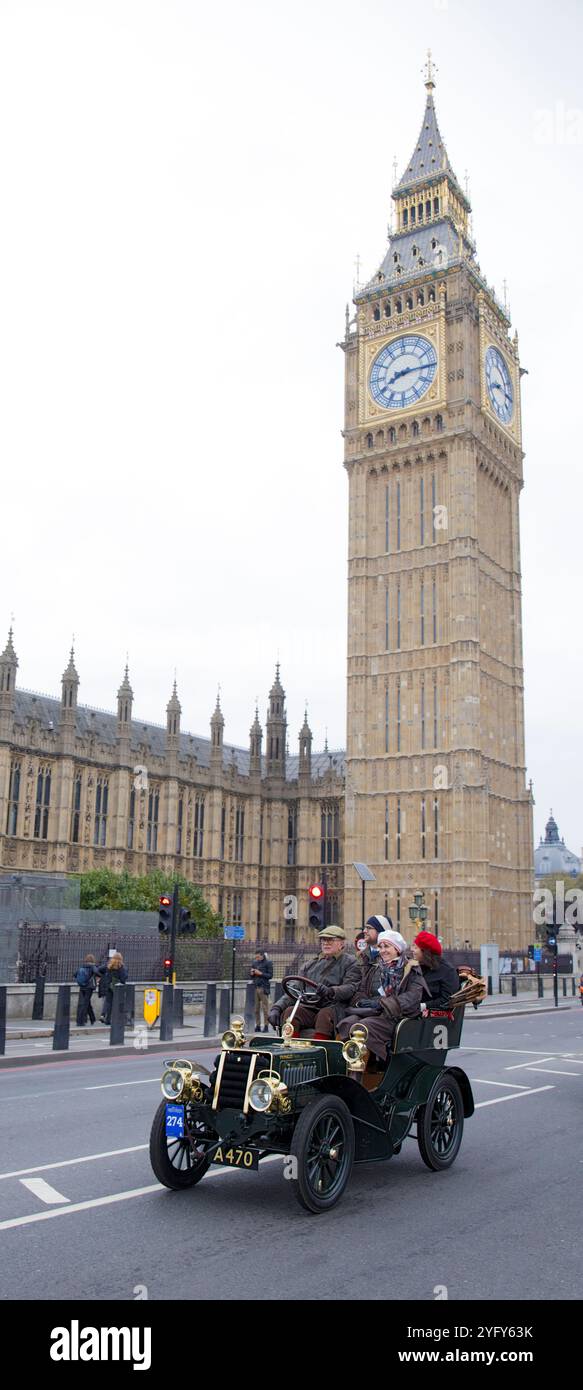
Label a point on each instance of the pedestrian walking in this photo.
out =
(85, 979)
(115, 974)
(261, 974)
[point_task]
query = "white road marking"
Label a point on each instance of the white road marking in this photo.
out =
(70, 1162)
(554, 1071)
(116, 1197)
(516, 1066)
(512, 1085)
(111, 1085)
(499, 1099)
(520, 1051)
(44, 1191)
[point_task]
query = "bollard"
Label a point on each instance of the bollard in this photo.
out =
(167, 1014)
(130, 1007)
(490, 985)
(564, 987)
(249, 1008)
(62, 1019)
(178, 1007)
(541, 987)
(38, 1007)
(117, 1025)
(500, 990)
(224, 1010)
(573, 986)
(514, 990)
(210, 1012)
(3, 993)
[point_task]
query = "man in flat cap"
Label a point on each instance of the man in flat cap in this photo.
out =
(337, 973)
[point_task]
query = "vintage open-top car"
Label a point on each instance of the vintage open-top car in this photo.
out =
(323, 1104)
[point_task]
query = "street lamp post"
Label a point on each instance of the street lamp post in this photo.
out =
(418, 910)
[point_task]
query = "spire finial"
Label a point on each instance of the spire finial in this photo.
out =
(430, 71)
(395, 169)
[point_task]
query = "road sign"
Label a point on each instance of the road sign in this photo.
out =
(233, 933)
(538, 955)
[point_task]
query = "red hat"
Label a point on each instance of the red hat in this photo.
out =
(428, 942)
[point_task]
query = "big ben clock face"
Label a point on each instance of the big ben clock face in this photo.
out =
(499, 384)
(402, 372)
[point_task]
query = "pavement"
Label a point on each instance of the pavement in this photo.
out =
(82, 1216)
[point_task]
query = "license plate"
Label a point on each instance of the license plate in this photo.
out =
(237, 1158)
(174, 1121)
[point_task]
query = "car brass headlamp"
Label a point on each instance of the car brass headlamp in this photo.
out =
(172, 1083)
(234, 1036)
(355, 1051)
(269, 1093)
(180, 1081)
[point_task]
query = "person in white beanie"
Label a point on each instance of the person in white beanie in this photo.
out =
(399, 996)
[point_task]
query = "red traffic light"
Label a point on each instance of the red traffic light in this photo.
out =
(165, 901)
(316, 891)
(167, 962)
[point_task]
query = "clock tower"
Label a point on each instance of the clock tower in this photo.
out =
(435, 777)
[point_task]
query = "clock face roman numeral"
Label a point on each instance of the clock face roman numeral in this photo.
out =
(499, 384)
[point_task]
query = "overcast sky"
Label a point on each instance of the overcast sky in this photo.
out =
(184, 190)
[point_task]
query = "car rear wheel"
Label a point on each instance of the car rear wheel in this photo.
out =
(176, 1162)
(323, 1147)
(440, 1124)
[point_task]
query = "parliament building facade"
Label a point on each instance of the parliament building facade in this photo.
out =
(430, 791)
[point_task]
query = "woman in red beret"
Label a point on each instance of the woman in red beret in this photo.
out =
(441, 980)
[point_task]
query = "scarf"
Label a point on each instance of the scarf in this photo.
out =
(392, 975)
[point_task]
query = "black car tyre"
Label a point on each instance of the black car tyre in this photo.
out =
(174, 1161)
(323, 1147)
(440, 1124)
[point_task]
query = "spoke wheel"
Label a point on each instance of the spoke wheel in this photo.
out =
(440, 1124)
(177, 1162)
(323, 1146)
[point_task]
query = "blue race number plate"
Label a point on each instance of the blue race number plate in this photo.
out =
(174, 1121)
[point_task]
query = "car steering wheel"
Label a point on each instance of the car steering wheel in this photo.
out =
(300, 987)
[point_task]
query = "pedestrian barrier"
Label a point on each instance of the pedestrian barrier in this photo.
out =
(490, 984)
(564, 988)
(117, 1025)
(224, 1010)
(514, 990)
(62, 1019)
(178, 1007)
(210, 1011)
(3, 992)
(541, 987)
(167, 1014)
(130, 1008)
(38, 1007)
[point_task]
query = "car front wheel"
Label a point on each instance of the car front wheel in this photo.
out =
(440, 1124)
(323, 1147)
(177, 1162)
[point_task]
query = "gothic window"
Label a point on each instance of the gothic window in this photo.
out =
(423, 827)
(386, 836)
(369, 441)
(398, 828)
(435, 828)
(433, 507)
(376, 313)
(223, 829)
(387, 546)
(405, 217)
(152, 826)
(386, 719)
(420, 212)
(409, 301)
(101, 800)
(415, 429)
(399, 306)
(395, 256)
(420, 297)
(292, 831)
(423, 717)
(428, 208)
(197, 847)
(435, 714)
(380, 438)
(76, 816)
(388, 309)
(434, 606)
(239, 833)
(132, 819)
(179, 824)
(386, 620)
(398, 516)
(431, 296)
(392, 435)
(261, 837)
(43, 801)
(398, 617)
(436, 913)
(330, 833)
(435, 206)
(398, 911)
(13, 798)
(439, 423)
(413, 216)
(414, 251)
(398, 718)
(421, 509)
(422, 613)
(237, 910)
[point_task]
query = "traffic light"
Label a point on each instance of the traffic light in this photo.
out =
(165, 913)
(185, 922)
(552, 943)
(168, 964)
(317, 908)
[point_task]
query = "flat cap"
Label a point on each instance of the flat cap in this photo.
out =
(337, 932)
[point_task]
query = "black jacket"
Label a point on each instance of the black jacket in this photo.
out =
(440, 984)
(261, 981)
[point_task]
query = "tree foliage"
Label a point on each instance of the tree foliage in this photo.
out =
(102, 888)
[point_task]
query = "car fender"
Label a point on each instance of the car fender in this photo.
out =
(463, 1082)
(373, 1141)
